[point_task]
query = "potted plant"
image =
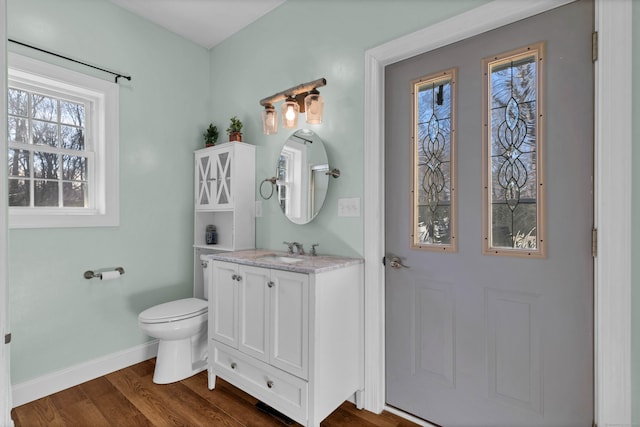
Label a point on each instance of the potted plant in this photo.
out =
(235, 129)
(210, 136)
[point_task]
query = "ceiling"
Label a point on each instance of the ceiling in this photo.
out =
(205, 22)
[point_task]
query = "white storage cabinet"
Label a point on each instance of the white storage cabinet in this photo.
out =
(225, 197)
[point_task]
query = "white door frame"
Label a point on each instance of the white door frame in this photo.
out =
(5, 383)
(612, 211)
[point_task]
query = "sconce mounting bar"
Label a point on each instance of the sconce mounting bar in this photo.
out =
(293, 91)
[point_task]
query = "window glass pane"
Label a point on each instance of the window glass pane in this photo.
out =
(44, 133)
(72, 138)
(74, 168)
(18, 102)
(18, 192)
(45, 193)
(432, 187)
(71, 113)
(45, 165)
(18, 129)
(74, 194)
(513, 190)
(18, 163)
(44, 108)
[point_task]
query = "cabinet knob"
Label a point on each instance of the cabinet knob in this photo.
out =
(270, 384)
(239, 278)
(234, 277)
(270, 283)
(234, 365)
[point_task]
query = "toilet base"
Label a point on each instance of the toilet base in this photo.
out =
(174, 361)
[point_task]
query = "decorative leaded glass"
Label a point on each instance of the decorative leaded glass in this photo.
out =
(513, 184)
(433, 190)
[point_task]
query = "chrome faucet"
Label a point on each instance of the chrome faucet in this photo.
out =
(313, 249)
(290, 246)
(299, 247)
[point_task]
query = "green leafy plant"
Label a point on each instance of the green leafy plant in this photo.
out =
(235, 125)
(211, 135)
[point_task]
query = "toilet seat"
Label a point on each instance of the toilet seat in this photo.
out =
(174, 311)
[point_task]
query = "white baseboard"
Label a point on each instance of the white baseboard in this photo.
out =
(54, 382)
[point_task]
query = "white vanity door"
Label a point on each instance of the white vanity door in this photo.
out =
(254, 311)
(289, 343)
(223, 303)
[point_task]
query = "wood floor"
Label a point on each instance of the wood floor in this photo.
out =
(130, 398)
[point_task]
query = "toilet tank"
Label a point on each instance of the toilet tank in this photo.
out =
(206, 266)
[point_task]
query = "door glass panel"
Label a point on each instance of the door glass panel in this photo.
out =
(204, 178)
(432, 185)
(513, 183)
(223, 178)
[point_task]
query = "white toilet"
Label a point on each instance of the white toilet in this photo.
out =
(181, 328)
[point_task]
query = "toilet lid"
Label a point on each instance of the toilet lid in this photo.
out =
(174, 310)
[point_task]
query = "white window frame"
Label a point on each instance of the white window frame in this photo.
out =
(102, 139)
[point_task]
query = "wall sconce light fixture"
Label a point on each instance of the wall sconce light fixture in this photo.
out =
(290, 111)
(269, 120)
(303, 98)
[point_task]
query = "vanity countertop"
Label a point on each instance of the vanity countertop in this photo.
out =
(268, 259)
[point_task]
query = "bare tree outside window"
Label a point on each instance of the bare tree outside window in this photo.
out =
(47, 163)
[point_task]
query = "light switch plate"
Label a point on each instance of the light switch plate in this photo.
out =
(258, 208)
(349, 207)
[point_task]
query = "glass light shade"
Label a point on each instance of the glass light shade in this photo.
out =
(269, 120)
(313, 104)
(290, 112)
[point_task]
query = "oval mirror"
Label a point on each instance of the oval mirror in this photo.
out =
(302, 178)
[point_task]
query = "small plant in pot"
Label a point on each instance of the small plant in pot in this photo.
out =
(210, 136)
(235, 129)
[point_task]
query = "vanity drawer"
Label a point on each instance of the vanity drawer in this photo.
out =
(284, 392)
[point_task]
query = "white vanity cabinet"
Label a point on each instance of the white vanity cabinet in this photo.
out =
(268, 318)
(293, 340)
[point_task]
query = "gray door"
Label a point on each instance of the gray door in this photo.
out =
(477, 337)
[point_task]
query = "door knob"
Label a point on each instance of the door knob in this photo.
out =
(396, 263)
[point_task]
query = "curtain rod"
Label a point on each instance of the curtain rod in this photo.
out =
(118, 75)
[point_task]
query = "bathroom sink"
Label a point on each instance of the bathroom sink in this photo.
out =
(280, 258)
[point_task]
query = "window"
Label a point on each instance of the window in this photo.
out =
(62, 147)
(513, 185)
(433, 211)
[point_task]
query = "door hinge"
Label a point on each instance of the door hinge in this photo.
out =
(594, 242)
(594, 46)
(7, 338)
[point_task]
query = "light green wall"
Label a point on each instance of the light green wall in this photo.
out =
(58, 318)
(300, 41)
(635, 254)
